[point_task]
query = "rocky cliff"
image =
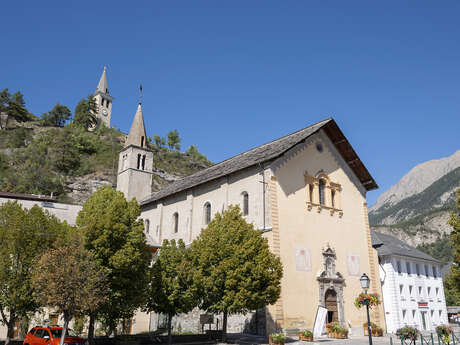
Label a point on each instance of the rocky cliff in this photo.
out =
(72, 163)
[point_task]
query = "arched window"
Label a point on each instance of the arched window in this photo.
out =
(322, 187)
(138, 160)
(207, 213)
(245, 203)
(176, 222)
(147, 225)
(333, 198)
(143, 162)
(310, 186)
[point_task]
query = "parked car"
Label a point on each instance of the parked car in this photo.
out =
(44, 335)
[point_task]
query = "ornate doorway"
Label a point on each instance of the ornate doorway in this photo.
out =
(331, 305)
(331, 284)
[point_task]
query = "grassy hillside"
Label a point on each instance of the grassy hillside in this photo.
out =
(48, 160)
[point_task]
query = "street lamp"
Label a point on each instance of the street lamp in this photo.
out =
(365, 283)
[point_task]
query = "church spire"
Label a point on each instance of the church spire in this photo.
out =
(103, 86)
(137, 134)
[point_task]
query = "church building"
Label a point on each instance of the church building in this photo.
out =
(305, 192)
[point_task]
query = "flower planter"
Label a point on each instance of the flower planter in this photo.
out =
(377, 332)
(304, 338)
(272, 342)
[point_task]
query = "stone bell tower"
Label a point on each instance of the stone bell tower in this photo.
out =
(136, 162)
(103, 100)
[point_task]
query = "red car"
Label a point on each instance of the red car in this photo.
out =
(43, 335)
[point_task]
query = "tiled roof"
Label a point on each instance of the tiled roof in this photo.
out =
(390, 245)
(267, 152)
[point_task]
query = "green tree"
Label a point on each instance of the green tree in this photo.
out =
(69, 279)
(25, 235)
(452, 280)
(171, 288)
(229, 283)
(159, 141)
(194, 153)
(65, 150)
(174, 140)
(57, 116)
(14, 106)
(114, 234)
(85, 112)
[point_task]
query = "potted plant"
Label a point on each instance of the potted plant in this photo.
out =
(409, 333)
(277, 339)
(444, 332)
(338, 331)
(376, 330)
(328, 329)
(373, 298)
(306, 335)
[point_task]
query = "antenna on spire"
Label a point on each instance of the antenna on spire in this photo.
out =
(140, 93)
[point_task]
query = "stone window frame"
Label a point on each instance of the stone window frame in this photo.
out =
(245, 208)
(332, 194)
(175, 221)
(207, 212)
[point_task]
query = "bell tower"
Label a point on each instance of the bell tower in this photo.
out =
(136, 162)
(103, 100)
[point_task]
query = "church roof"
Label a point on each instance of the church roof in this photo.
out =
(137, 134)
(103, 86)
(270, 151)
(390, 245)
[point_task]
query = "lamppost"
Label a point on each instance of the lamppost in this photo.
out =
(365, 283)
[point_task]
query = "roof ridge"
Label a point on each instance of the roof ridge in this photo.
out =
(241, 154)
(259, 146)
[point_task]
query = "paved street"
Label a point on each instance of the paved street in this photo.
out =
(249, 340)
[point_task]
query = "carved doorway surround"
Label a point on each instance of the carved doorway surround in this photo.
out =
(331, 284)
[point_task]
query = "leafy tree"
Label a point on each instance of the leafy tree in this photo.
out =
(229, 283)
(174, 140)
(193, 152)
(159, 141)
(57, 116)
(25, 235)
(171, 289)
(69, 279)
(85, 112)
(14, 106)
(452, 281)
(66, 155)
(114, 234)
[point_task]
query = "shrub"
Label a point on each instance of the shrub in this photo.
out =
(278, 337)
(307, 333)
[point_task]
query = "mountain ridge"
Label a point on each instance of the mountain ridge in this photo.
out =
(417, 179)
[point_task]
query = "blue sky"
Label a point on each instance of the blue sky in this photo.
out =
(230, 75)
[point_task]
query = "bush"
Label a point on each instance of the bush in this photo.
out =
(307, 333)
(278, 337)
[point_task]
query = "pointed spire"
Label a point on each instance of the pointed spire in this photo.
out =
(137, 134)
(103, 86)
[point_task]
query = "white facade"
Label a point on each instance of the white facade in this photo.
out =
(413, 293)
(64, 212)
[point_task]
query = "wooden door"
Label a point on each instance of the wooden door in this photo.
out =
(331, 305)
